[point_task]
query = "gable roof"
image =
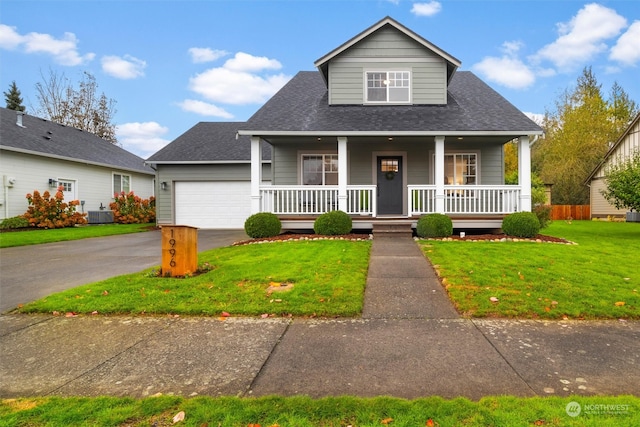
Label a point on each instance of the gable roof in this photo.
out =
(209, 142)
(323, 63)
(45, 138)
(472, 109)
(613, 149)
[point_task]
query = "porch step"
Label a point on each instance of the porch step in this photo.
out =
(392, 229)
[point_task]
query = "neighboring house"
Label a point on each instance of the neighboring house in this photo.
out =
(37, 154)
(621, 150)
(385, 129)
(205, 177)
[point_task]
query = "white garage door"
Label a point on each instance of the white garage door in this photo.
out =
(224, 204)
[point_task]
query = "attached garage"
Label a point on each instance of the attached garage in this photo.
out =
(209, 204)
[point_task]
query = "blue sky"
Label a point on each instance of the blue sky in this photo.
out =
(170, 64)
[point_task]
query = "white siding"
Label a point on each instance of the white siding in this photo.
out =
(93, 183)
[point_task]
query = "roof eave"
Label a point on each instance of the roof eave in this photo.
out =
(387, 133)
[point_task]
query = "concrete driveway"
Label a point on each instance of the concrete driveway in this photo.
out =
(28, 273)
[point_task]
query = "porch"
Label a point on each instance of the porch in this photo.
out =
(469, 206)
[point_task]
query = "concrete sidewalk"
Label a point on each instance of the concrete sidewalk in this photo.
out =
(409, 343)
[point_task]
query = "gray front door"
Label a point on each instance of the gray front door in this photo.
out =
(390, 185)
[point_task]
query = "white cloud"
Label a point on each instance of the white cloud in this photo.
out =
(426, 9)
(204, 109)
(582, 37)
(509, 72)
(627, 49)
(142, 139)
(245, 62)
(240, 81)
(204, 54)
(64, 50)
(126, 67)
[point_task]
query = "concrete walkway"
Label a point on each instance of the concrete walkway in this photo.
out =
(410, 342)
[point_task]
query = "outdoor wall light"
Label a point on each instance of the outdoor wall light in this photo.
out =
(163, 185)
(53, 182)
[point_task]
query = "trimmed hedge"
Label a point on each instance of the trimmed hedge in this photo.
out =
(263, 224)
(14, 222)
(521, 224)
(434, 225)
(333, 223)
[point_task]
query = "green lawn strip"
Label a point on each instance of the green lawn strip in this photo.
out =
(546, 280)
(328, 278)
(37, 236)
(302, 411)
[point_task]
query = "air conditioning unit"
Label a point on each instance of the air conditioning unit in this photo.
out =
(100, 217)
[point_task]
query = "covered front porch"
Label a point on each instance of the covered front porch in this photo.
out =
(406, 179)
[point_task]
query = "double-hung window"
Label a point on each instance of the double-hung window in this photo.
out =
(393, 87)
(121, 183)
(320, 169)
(460, 169)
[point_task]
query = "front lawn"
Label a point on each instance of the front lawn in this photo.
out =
(303, 278)
(301, 411)
(597, 278)
(36, 236)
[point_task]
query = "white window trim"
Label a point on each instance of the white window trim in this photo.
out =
(311, 153)
(458, 152)
(387, 102)
(113, 190)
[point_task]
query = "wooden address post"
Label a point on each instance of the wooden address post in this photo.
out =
(179, 250)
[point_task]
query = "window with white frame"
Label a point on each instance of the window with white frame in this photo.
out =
(320, 169)
(388, 86)
(461, 169)
(121, 183)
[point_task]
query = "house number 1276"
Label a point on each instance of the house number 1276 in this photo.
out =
(172, 251)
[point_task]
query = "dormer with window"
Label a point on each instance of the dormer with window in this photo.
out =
(387, 64)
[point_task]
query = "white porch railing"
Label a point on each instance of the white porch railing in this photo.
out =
(465, 199)
(316, 199)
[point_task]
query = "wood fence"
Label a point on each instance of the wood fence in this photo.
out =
(576, 212)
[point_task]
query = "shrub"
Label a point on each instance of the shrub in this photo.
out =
(543, 212)
(434, 225)
(14, 222)
(263, 224)
(130, 209)
(45, 211)
(333, 223)
(521, 224)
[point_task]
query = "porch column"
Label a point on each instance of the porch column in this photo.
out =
(342, 173)
(439, 174)
(524, 173)
(256, 173)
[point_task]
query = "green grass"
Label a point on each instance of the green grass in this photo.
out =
(303, 411)
(328, 279)
(37, 236)
(541, 280)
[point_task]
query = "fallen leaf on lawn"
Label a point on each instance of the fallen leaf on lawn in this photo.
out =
(547, 309)
(166, 291)
(264, 316)
(56, 313)
(94, 312)
(554, 302)
(70, 314)
(430, 423)
(386, 421)
(105, 293)
(274, 284)
(539, 423)
(253, 425)
(494, 299)
(222, 319)
(620, 303)
(225, 314)
(179, 417)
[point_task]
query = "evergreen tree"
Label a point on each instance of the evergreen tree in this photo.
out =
(577, 137)
(13, 98)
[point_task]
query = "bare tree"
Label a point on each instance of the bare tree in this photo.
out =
(80, 108)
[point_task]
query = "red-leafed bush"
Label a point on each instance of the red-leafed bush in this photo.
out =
(45, 211)
(130, 209)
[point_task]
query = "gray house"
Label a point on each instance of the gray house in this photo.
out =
(386, 129)
(37, 154)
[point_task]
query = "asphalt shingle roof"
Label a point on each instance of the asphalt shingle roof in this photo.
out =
(54, 140)
(210, 142)
(302, 105)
